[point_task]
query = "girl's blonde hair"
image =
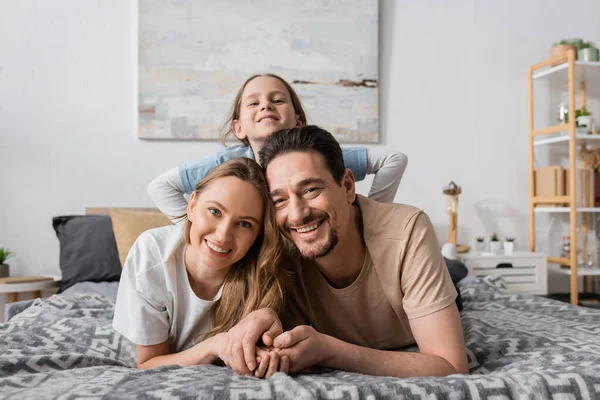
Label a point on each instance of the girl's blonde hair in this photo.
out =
(235, 108)
(256, 281)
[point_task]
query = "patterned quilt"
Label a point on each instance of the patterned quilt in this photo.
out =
(518, 346)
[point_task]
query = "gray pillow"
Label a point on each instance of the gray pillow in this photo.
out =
(88, 251)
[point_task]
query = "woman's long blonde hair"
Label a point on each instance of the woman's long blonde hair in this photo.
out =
(235, 108)
(256, 281)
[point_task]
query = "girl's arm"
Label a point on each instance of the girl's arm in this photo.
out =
(167, 192)
(205, 352)
(168, 189)
(388, 169)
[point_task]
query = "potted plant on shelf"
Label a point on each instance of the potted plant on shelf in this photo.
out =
(561, 48)
(494, 244)
(479, 244)
(583, 120)
(4, 269)
(509, 245)
(587, 52)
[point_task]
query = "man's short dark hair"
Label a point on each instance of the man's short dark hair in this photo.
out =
(309, 138)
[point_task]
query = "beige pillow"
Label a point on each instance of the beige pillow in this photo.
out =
(128, 224)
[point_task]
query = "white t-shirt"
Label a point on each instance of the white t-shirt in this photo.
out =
(155, 301)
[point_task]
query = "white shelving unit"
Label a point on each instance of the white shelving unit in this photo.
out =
(566, 209)
(563, 137)
(566, 74)
(559, 76)
(582, 271)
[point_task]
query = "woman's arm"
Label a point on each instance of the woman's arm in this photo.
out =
(205, 352)
(388, 169)
(167, 192)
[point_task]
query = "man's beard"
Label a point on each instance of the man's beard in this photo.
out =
(318, 251)
(311, 251)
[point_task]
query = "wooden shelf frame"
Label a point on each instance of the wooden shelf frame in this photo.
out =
(571, 199)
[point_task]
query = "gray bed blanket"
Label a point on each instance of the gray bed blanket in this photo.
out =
(518, 347)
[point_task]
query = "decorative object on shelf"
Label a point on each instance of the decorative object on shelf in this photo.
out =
(588, 52)
(562, 113)
(560, 49)
(565, 249)
(590, 157)
(479, 244)
(4, 268)
(509, 245)
(494, 243)
(453, 191)
(584, 120)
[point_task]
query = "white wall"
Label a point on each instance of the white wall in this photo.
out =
(453, 98)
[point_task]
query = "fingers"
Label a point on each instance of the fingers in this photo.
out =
(274, 330)
(284, 364)
(265, 324)
(238, 361)
(249, 354)
(273, 364)
(263, 364)
(290, 338)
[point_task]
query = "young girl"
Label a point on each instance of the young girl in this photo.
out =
(265, 104)
(184, 286)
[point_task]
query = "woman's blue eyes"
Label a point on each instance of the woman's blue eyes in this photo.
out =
(217, 213)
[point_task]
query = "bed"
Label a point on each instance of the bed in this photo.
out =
(518, 346)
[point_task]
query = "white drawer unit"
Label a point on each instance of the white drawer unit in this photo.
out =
(523, 272)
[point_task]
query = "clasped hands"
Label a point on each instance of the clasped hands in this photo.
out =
(289, 352)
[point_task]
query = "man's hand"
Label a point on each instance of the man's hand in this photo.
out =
(269, 362)
(238, 346)
(304, 346)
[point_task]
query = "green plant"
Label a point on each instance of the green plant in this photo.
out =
(494, 238)
(583, 111)
(479, 239)
(586, 45)
(578, 113)
(4, 254)
(509, 239)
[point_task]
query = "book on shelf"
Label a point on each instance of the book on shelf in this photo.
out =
(554, 180)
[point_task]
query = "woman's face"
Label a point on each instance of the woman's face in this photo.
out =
(226, 220)
(265, 107)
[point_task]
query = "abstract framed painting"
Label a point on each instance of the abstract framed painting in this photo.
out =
(195, 54)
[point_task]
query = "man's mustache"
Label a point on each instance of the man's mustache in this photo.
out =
(313, 216)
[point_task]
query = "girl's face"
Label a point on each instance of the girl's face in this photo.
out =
(265, 107)
(226, 220)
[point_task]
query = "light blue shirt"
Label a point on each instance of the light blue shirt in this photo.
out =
(355, 158)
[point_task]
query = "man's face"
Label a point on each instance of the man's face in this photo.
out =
(312, 210)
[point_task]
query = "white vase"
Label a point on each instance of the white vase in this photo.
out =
(509, 247)
(585, 123)
(495, 247)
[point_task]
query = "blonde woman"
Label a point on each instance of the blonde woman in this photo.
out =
(185, 286)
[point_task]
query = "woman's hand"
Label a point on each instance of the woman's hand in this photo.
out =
(237, 347)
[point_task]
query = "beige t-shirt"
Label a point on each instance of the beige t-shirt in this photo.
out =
(403, 277)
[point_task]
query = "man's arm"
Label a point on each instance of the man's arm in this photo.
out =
(438, 335)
